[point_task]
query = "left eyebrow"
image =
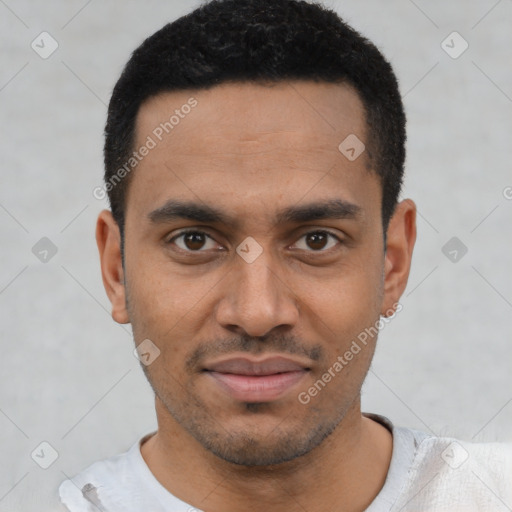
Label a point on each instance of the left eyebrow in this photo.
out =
(331, 209)
(198, 212)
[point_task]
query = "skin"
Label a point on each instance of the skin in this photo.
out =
(251, 151)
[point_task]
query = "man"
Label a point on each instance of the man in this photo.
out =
(253, 159)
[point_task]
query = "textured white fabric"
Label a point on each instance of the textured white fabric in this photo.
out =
(427, 474)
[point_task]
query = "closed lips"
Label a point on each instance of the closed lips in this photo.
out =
(241, 366)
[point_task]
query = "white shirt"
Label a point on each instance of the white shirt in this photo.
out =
(426, 474)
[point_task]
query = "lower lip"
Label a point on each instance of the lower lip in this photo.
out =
(262, 388)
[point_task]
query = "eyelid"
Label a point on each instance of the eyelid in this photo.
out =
(187, 231)
(320, 230)
(201, 231)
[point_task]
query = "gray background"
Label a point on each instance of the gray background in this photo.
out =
(68, 374)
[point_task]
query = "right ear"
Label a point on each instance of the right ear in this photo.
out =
(108, 238)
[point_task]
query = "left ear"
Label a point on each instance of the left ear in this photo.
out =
(401, 236)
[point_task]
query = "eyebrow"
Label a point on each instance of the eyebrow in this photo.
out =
(198, 212)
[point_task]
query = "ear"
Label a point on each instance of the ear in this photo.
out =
(401, 236)
(108, 238)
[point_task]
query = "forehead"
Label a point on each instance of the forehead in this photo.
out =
(272, 142)
(240, 112)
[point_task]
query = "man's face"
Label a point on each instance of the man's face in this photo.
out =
(301, 287)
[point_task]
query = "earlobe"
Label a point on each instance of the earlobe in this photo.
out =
(401, 236)
(108, 239)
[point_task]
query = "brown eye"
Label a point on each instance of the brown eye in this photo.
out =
(317, 241)
(193, 241)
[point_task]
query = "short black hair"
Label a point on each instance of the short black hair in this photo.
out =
(258, 41)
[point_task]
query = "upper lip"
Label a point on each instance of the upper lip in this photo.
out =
(247, 366)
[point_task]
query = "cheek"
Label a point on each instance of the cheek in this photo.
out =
(161, 292)
(343, 316)
(345, 301)
(166, 307)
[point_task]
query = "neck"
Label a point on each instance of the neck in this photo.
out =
(345, 472)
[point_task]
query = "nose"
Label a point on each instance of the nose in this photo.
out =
(256, 298)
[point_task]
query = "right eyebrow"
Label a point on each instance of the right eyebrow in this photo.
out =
(197, 212)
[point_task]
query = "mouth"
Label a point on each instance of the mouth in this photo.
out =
(257, 381)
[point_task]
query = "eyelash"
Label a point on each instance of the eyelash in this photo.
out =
(195, 231)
